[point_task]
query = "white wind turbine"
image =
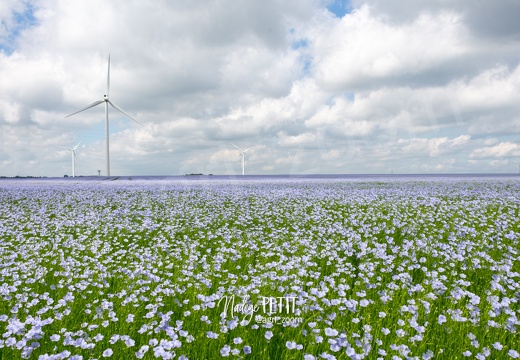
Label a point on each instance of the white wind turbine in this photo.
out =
(243, 156)
(73, 153)
(106, 101)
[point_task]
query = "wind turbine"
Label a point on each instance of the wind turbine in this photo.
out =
(106, 101)
(243, 156)
(73, 153)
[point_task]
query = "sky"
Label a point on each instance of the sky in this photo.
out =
(313, 86)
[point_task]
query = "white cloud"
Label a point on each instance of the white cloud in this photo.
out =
(497, 87)
(297, 140)
(432, 147)
(500, 150)
(367, 48)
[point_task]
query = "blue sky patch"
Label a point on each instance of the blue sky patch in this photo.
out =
(19, 22)
(340, 7)
(301, 43)
(307, 62)
(305, 58)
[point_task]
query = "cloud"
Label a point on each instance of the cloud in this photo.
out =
(304, 139)
(432, 147)
(504, 149)
(486, 18)
(368, 50)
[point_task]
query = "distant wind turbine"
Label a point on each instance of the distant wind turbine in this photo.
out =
(73, 153)
(243, 156)
(106, 101)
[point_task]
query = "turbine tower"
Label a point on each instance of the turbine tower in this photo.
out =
(73, 153)
(106, 101)
(243, 156)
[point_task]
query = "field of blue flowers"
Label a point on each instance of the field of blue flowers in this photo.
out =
(260, 269)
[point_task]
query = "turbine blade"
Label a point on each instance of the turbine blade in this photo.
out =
(124, 112)
(236, 147)
(75, 147)
(108, 76)
(63, 147)
(249, 148)
(88, 107)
